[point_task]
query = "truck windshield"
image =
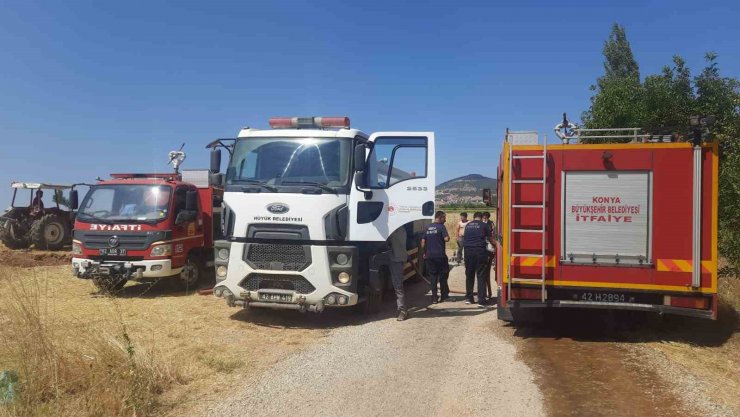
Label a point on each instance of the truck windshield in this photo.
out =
(291, 161)
(123, 202)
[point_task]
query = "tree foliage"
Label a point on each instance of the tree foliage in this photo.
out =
(662, 104)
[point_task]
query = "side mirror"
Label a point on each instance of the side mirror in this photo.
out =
(216, 180)
(360, 158)
(191, 201)
(360, 179)
(185, 216)
(215, 161)
(74, 200)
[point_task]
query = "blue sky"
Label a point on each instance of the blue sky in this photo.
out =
(88, 88)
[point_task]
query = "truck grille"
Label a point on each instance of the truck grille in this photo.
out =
(295, 283)
(132, 241)
(272, 257)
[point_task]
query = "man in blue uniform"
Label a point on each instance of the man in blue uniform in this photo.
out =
(435, 256)
(477, 235)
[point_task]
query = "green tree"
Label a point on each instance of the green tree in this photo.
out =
(620, 63)
(662, 104)
(619, 87)
(58, 197)
(669, 100)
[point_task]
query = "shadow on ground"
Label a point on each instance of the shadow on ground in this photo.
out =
(417, 300)
(164, 287)
(628, 326)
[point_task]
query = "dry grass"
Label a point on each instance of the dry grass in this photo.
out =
(708, 350)
(150, 351)
(94, 370)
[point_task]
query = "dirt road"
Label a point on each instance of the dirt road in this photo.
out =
(443, 361)
(455, 359)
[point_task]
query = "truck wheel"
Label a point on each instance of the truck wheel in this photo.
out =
(14, 235)
(191, 272)
(50, 232)
(109, 285)
(12, 238)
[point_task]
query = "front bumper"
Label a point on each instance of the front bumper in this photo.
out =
(320, 274)
(86, 268)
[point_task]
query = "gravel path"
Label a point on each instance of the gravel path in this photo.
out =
(445, 360)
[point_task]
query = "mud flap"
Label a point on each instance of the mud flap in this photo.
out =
(503, 313)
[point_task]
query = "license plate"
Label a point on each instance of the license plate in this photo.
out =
(114, 251)
(597, 296)
(283, 298)
(605, 297)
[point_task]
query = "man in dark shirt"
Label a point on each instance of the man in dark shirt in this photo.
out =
(435, 256)
(477, 234)
(491, 255)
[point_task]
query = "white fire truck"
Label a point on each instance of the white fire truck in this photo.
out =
(309, 206)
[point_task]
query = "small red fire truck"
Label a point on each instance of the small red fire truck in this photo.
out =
(588, 224)
(141, 226)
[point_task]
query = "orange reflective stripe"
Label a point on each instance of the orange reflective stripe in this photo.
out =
(533, 261)
(682, 265)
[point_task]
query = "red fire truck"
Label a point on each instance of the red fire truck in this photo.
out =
(588, 224)
(142, 226)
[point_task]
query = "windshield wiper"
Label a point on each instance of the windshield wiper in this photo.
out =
(259, 184)
(313, 184)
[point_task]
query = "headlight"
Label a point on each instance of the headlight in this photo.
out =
(343, 277)
(342, 259)
(221, 271)
(162, 250)
(223, 254)
(76, 248)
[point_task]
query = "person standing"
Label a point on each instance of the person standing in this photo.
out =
(491, 255)
(435, 256)
(460, 235)
(399, 256)
(477, 235)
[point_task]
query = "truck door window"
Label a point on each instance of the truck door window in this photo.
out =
(394, 160)
(179, 200)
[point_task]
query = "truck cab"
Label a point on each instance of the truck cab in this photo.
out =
(308, 208)
(145, 226)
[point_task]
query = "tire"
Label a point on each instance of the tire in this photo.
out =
(191, 272)
(109, 285)
(50, 232)
(12, 234)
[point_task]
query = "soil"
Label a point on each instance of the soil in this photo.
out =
(612, 363)
(28, 258)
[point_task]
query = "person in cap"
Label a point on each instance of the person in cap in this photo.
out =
(435, 256)
(477, 236)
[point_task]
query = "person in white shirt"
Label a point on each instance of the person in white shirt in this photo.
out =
(460, 236)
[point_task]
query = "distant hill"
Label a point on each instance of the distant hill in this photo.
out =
(467, 189)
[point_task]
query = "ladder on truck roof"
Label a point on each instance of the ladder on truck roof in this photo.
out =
(514, 138)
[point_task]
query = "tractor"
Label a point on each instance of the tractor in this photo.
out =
(47, 228)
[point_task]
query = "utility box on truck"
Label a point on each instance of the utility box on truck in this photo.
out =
(608, 225)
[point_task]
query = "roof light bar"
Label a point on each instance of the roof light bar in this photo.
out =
(309, 122)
